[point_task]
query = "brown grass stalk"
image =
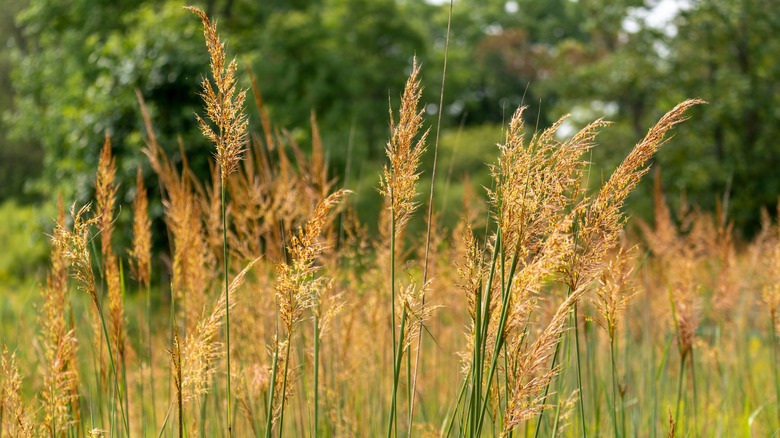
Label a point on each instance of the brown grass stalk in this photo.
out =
(16, 420)
(60, 376)
(141, 252)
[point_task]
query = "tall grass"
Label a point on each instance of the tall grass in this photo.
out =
(260, 289)
(228, 133)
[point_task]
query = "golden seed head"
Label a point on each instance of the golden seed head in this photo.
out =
(399, 179)
(297, 286)
(224, 107)
(105, 195)
(141, 253)
(76, 242)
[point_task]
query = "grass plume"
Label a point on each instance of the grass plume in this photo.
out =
(225, 110)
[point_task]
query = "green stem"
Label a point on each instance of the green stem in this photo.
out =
(693, 383)
(396, 371)
(679, 391)
(614, 383)
(476, 360)
(227, 297)
(457, 403)
(776, 367)
(151, 361)
(409, 390)
(500, 333)
(547, 386)
(483, 322)
(557, 420)
(316, 375)
(271, 386)
(113, 370)
(179, 401)
(392, 306)
(430, 215)
(284, 384)
(506, 394)
(579, 369)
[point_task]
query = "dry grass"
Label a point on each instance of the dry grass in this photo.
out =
(510, 316)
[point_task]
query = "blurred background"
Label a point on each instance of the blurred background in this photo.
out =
(69, 70)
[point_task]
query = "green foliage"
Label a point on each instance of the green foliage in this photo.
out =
(722, 54)
(339, 58)
(24, 242)
(76, 66)
(77, 77)
(717, 50)
(20, 161)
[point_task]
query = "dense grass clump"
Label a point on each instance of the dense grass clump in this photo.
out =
(280, 315)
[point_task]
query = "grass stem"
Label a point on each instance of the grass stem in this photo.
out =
(227, 296)
(579, 368)
(776, 366)
(679, 391)
(614, 384)
(316, 375)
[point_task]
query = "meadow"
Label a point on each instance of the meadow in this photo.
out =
(279, 313)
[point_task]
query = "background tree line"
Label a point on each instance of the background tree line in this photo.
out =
(69, 71)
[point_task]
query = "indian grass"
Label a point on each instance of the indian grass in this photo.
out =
(225, 110)
(514, 288)
(413, 385)
(398, 186)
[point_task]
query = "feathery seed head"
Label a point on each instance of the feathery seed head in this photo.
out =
(77, 253)
(141, 253)
(471, 271)
(601, 218)
(105, 195)
(614, 291)
(116, 308)
(399, 180)
(201, 349)
(296, 286)
(224, 107)
(19, 421)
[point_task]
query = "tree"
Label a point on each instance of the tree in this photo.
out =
(721, 52)
(21, 160)
(76, 79)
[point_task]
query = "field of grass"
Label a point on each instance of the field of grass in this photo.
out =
(277, 313)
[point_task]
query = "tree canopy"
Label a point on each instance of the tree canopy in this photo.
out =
(72, 70)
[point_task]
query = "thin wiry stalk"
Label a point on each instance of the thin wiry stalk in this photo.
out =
(392, 314)
(225, 110)
(775, 364)
(500, 332)
(227, 298)
(506, 391)
(557, 421)
(176, 358)
(151, 358)
(693, 383)
(271, 387)
(430, 213)
(316, 375)
(679, 390)
(683, 356)
(78, 255)
(396, 373)
(462, 392)
(409, 387)
(614, 385)
(579, 369)
(547, 387)
(483, 313)
(284, 388)
(476, 358)
(398, 184)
